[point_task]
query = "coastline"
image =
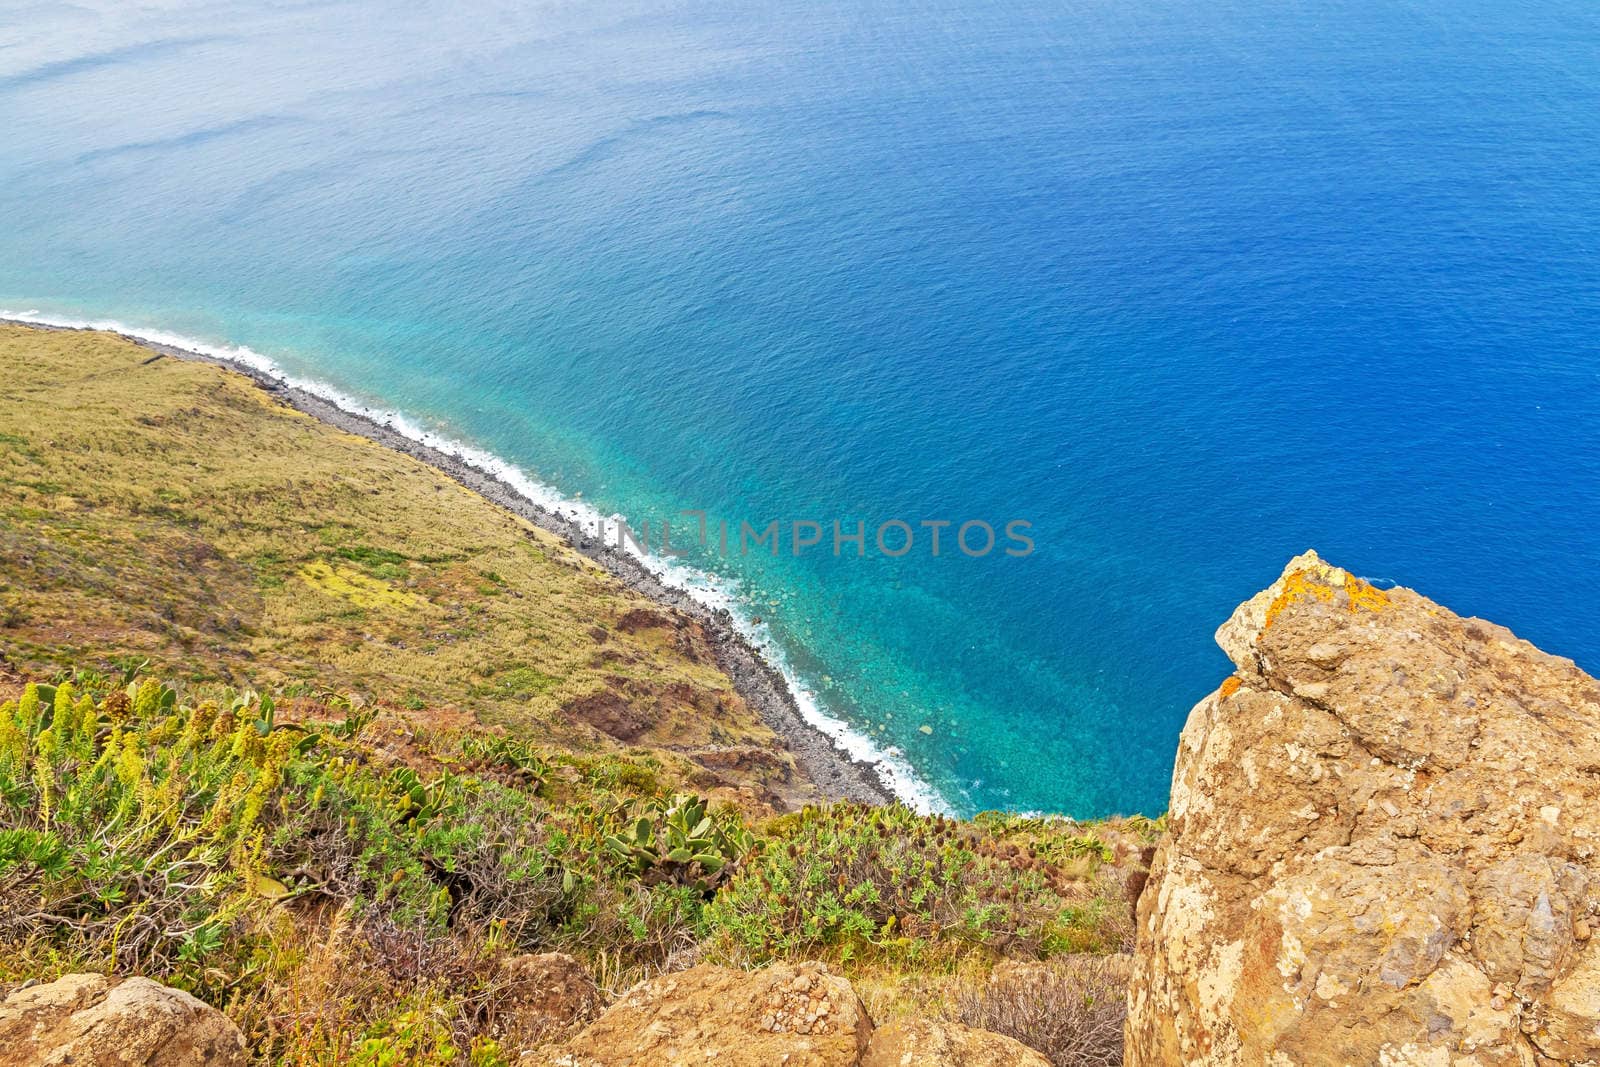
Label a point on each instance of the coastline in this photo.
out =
(818, 756)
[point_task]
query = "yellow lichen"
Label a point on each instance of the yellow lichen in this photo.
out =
(1312, 583)
(1364, 595)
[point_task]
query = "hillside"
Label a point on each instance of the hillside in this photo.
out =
(155, 509)
(299, 725)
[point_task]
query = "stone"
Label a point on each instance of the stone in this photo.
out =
(794, 1014)
(926, 1043)
(89, 1019)
(1383, 845)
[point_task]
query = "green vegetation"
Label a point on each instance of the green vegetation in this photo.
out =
(681, 842)
(203, 840)
(200, 842)
(886, 883)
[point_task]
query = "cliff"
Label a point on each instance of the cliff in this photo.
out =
(163, 510)
(303, 727)
(1382, 845)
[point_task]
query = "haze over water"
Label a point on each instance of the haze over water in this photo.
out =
(1191, 287)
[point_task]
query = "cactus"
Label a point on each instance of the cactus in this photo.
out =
(680, 842)
(419, 800)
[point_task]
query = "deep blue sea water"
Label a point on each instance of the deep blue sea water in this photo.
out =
(1191, 287)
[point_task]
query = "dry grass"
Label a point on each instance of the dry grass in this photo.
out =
(345, 991)
(174, 511)
(1070, 1010)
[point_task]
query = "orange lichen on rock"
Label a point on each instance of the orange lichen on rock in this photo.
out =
(1312, 583)
(1364, 594)
(1230, 686)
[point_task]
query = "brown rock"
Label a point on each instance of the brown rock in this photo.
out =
(782, 1014)
(91, 1019)
(923, 1043)
(610, 712)
(548, 991)
(1382, 848)
(631, 622)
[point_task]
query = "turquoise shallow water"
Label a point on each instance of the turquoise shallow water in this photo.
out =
(1190, 289)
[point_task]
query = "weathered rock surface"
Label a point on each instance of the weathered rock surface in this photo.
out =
(91, 1019)
(780, 1015)
(1383, 845)
(923, 1043)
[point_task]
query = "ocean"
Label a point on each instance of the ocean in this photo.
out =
(1186, 288)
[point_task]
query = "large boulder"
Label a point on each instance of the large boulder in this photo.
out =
(925, 1043)
(1382, 848)
(91, 1019)
(782, 1014)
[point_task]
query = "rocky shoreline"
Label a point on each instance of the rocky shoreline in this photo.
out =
(762, 686)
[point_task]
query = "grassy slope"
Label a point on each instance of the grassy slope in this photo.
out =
(174, 511)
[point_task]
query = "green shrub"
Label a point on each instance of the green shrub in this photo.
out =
(153, 832)
(414, 1037)
(347, 888)
(130, 822)
(679, 841)
(858, 880)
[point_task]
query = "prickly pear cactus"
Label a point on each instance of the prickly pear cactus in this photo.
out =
(679, 841)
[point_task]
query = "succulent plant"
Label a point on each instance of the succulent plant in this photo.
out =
(679, 841)
(421, 800)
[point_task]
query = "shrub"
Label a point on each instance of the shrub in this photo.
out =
(648, 866)
(347, 890)
(678, 841)
(884, 881)
(130, 822)
(156, 833)
(1073, 1015)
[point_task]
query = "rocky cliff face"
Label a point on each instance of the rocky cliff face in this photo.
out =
(1383, 846)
